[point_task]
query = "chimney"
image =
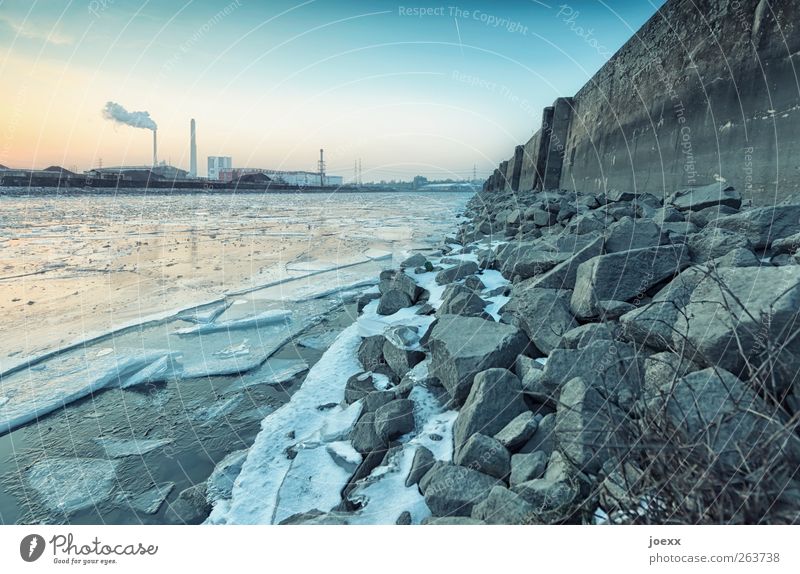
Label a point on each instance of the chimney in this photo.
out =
(155, 149)
(192, 149)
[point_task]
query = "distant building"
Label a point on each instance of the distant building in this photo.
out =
(140, 172)
(299, 178)
(217, 163)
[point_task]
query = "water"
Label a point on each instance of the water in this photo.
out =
(91, 264)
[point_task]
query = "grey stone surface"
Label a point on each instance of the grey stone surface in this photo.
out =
(543, 314)
(364, 437)
(485, 454)
(629, 233)
(400, 359)
(452, 490)
(370, 352)
(517, 432)
(697, 198)
(461, 347)
(415, 260)
(392, 301)
(528, 466)
(461, 300)
(714, 242)
(544, 437)
(494, 401)
(562, 276)
(422, 462)
(503, 506)
(394, 419)
(763, 225)
(460, 271)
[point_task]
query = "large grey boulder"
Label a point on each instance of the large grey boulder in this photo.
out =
(392, 301)
(457, 272)
(552, 495)
(461, 347)
(697, 198)
(518, 431)
(422, 462)
(414, 261)
(452, 490)
(393, 280)
(589, 428)
(786, 245)
(394, 419)
(544, 437)
(529, 260)
(485, 454)
(562, 276)
(581, 336)
(739, 316)
(714, 242)
(702, 217)
(370, 352)
(543, 314)
(723, 416)
(494, 401)
(624, 276)
(612, 366)
(629, 233)
(364, 437)
(461, 300)
(400, 358)
(528, 466)
(763, 225)
(503, 506)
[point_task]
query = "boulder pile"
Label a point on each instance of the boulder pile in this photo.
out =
(613, 358)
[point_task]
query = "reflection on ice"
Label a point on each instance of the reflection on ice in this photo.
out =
(66, 485)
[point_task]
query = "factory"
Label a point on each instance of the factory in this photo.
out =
(293, 178)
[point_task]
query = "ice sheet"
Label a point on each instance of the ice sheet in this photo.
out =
(258, 320)
(70, 484)
(148, 501)
(118, 448)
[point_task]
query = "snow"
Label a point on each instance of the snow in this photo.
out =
(493, 279)
(42, 388)
(148, 501)
(496, 305)
(258, 320)
(71, 484)
(383, 493)
(280, 371)
(220, 483)
(272, 484)
(118, 448)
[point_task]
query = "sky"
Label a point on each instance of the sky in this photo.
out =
(408, 88)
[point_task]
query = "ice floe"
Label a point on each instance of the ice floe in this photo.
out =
(67, 485)
(118, 448)
(220, 484)
(258, 320)
(45, 387)
(318, 341)
(147, 502)
(204, 313)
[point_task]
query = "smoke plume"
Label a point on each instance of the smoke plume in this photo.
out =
(115, 112)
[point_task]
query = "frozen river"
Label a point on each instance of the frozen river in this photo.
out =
(265, 283)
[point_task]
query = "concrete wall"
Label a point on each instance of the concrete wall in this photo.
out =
(707, 89)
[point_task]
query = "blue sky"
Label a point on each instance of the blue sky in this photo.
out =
(407, 87)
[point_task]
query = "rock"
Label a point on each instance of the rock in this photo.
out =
(452, 521)
(376, 399)
(393, 301)
(503, 506)
(661, 371)
(589, 429)
(738, 257)
(400, 359)
(370, 352)
(615, 195)
(654, 324)
(416, 260)
(461, 347)
(394, 419)
(731, 321)
(628, 233)
(518, 431)
(460, 271)
(528, 466)
(552, 498)
(452, 490)
(613, 310)
(524, 364)
(763, 225)
(786, 245)
(667, 215)
(494, 401)
(315, 517)
(358, 386)
(404, 519)
(393, 280)
(613, 366)
(586, 223)
(364, 437)
(702, 217)
(460, 300)
(721, 414)
(624, 276)
(528, 259)
(423, 461)
(580, 337)
(697, 198)
(540, 217)
(365, 299)
(714, 242)
(473, 282)
(543, 314)
(191, 506)
(562, 276)
(544, 437)
(485, 454)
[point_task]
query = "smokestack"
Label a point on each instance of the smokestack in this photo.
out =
(155, 148)
(321, 169)
(192, 149)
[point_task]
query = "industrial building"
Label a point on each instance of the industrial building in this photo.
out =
(298, 178)
(216, 163)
